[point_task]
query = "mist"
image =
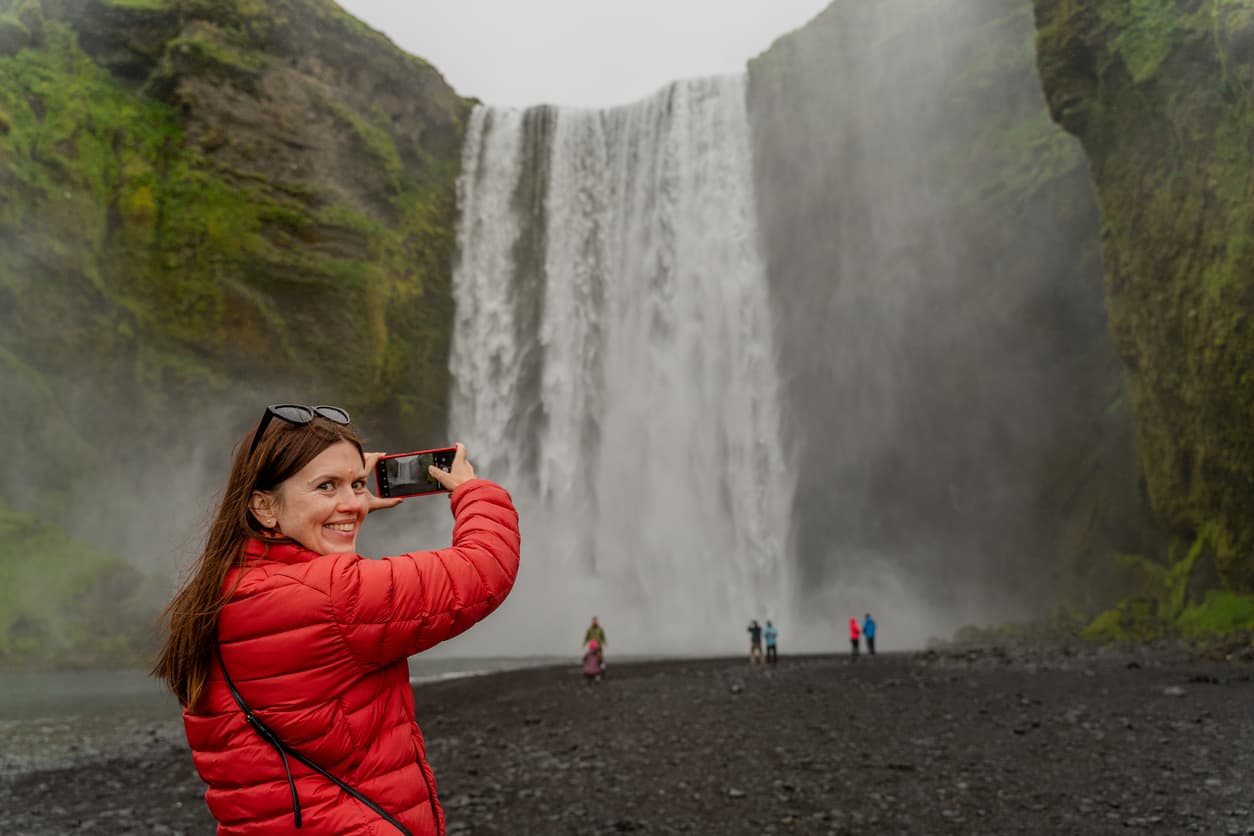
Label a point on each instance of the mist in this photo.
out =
(818, 339)
(937, 292)
(936, 347)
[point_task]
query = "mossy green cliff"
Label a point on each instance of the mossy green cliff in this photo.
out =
(217, 203)
(204, 207)
(64, 602)
(1159, 93)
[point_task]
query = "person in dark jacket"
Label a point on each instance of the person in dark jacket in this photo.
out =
(755, 642)
(288, 650)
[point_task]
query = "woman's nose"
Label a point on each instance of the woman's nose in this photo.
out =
(351, 500)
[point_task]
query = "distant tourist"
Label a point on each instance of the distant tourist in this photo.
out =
(593, 664)
(771, 634)
(868, 630)
(853, 636)
(595, 634)
(281, 617)
(755, 642)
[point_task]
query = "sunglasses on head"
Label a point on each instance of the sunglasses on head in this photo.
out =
(295, 413)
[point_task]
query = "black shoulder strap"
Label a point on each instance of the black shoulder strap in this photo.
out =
(284, 750)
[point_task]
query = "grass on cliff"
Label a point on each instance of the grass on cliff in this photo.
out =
(1221, 617)
(142, 5)
(64, 603)
(1181, 600)
(1165, 610)
(176, 271)
(1221, 613)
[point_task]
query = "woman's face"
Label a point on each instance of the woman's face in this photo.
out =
(322, 505)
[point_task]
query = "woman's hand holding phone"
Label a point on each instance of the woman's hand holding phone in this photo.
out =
(460, 471)
(421, 473)
(373, 501)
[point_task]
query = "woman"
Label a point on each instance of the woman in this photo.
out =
(288, 650)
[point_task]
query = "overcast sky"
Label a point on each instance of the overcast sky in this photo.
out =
(581, 52)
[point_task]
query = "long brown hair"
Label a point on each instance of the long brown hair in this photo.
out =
(191, 618)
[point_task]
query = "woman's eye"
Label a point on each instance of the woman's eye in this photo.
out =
(326, 486)
(359, 485)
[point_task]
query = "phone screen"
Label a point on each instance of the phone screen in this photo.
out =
(407, 475)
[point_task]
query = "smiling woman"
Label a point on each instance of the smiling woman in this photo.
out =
(287, 650)
(323, 505)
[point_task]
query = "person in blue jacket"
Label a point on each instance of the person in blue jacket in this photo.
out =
(771, 634)
(868, 632)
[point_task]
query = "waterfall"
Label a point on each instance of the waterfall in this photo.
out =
(613, 367)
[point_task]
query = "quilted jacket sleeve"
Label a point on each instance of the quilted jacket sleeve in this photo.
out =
(393, 608)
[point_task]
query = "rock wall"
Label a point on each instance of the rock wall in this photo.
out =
(1160, 94)
(204, 207)
(954, 401)
(210, 206)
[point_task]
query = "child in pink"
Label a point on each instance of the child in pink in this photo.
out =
(592, 662)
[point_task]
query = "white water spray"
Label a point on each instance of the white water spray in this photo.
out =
(613, 367)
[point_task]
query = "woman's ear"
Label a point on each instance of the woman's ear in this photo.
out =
(263, 507)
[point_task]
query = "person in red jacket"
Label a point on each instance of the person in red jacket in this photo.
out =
(853, 637)
(288, 650)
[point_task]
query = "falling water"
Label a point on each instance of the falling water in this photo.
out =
(613, 367)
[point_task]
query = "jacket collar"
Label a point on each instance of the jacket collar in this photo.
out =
(258, 548)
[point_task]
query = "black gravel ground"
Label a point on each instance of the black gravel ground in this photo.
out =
(991, 740)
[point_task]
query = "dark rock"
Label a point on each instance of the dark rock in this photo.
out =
(667, 750)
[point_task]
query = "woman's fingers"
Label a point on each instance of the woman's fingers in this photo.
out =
(373, 502)
(376, 503)
(460, 471)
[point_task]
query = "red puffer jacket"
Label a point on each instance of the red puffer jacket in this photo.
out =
(317, 647)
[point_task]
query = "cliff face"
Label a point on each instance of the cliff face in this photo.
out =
(1160, 95)
(934, 257)
(204, 207)
(210, 206)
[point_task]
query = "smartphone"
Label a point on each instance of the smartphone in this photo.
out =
(405, 474)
